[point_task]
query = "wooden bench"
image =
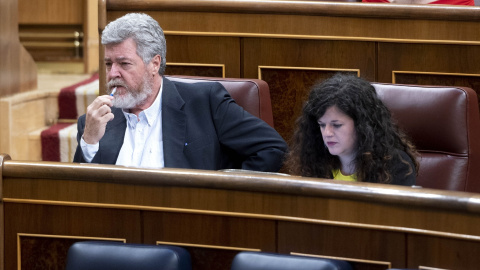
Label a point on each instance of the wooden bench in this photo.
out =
(47, 206)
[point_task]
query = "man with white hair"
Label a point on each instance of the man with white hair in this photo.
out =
(149, 121)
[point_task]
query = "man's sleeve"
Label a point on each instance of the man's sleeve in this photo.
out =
(258, 144)
(78, 157)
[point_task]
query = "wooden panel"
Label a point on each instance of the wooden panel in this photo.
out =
(51, 11)
(298, 53)
(47, 252)
(356, 21)
(212, 240)
(447, 79)
(348, 243)
(289, 88)
(44, 253)
(58, 16)
(68, 222)
(211, 259)
(205, 50)
(306, 197)
(342, 242)
(291, 67)
(429, 64)
(318, 199)
(53, 43)
(211, 212)
(311, 8)
(194, 70)
(211, 230)
(440, 58)
(324, 34)
(430, 251)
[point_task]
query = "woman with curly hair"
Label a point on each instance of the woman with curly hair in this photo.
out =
(346, 132)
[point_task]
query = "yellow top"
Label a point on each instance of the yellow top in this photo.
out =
(337, 175)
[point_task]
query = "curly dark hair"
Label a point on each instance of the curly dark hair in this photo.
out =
(378, 138)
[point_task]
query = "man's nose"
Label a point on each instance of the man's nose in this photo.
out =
(114, 71)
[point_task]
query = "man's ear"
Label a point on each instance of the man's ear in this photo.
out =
(156, 61)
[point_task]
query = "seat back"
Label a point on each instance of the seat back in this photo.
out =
(444, 125)
(252, 94)
(103, 255)
(270, 261)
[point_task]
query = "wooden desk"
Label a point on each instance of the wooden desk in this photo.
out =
(46, 206)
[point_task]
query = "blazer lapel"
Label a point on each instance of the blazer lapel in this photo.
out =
(112, 141)
(173, 126)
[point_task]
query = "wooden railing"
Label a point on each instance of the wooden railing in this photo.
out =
(216, 214)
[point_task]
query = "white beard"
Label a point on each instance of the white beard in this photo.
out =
(132, 98)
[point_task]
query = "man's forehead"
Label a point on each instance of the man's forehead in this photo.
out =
(118, 58)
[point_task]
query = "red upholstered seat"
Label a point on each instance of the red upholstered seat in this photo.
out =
(252, 94)
(444, 124)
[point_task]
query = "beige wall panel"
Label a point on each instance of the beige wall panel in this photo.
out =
(28, 71)
(26, 116)
(5, 125)
(35, 145)
(25, 113)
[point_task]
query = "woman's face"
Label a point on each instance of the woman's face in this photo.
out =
(338, 132)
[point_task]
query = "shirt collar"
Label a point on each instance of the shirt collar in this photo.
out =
(153, 111)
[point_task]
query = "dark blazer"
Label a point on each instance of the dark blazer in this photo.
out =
(203, 128)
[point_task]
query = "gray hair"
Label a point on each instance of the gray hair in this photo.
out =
(144, 30)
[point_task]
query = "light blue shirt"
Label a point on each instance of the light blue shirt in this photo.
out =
(143, 143)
